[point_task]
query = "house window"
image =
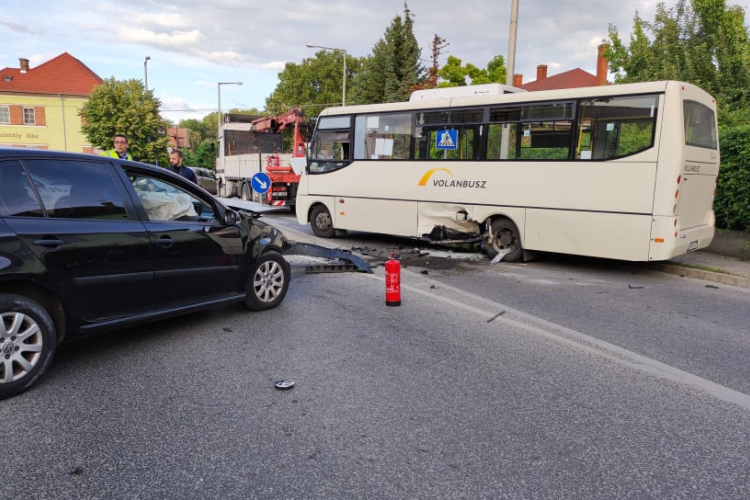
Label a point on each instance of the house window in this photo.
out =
(4, 114)
(29, 118)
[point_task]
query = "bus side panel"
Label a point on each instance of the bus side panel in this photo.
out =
(595, 234)
(398, 218)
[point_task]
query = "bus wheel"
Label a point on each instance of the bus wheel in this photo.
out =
(505, 239)
(246, 192)
(321, 222)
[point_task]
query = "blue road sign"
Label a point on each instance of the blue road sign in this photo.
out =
(446, 139)
(260, 182)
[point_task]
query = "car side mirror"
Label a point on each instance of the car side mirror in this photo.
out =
(231, 218)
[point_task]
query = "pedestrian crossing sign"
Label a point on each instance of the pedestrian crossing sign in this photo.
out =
(446, 139)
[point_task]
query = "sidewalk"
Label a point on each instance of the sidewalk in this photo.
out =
(724, 261)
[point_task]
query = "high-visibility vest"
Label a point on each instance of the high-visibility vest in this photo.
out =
(113, 154)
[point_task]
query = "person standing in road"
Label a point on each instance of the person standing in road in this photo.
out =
(120, 150)
(176, 166)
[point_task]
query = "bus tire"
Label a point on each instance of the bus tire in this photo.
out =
(504, 237)
(321, 222)
(246, 193)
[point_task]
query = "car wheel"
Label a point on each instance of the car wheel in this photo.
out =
(268, 282)
(321, 222)
(27, 343)
(505, 240)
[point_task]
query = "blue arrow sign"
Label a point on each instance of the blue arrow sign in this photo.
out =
(261, 182)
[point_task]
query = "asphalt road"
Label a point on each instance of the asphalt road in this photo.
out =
(496, 384)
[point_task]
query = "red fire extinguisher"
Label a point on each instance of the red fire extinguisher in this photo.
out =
(393, 281)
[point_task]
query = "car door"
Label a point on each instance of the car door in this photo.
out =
(80, 227)
(197, 258)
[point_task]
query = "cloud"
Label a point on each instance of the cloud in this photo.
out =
(18, 28)
(176, 40)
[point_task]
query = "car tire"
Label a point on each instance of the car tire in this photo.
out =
(27, 343)
(268, 282)
(505, 238)
(321, 222)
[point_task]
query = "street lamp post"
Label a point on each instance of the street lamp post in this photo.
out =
(145, 71)
(334, 49)
(218, 117)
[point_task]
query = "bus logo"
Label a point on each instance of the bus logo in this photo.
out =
(452, 183)
(426, 177)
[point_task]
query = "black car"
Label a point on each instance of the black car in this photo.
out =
(90, 244)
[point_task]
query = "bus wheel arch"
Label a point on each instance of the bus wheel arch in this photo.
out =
(321, 221)
(503, 237)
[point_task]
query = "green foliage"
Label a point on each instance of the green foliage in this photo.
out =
(204, 155)
(394, 68)
(314, 84)
(199, 131)
(125, 107)
(454, 74)
(732, 204)
(704, 42)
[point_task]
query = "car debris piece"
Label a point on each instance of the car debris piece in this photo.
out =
(500, 255)
(284, 385)
(329, 253)
(330, 268)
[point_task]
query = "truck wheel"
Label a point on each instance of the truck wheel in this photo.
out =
(268, 282)
(505, 239)
(321, 222)
(27, 343)
(246, 193)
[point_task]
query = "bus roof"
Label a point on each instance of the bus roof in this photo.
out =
(519, 97)
(465, 91)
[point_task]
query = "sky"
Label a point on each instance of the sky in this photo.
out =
(194, 44)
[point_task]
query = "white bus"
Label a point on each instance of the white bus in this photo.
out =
(620, 171)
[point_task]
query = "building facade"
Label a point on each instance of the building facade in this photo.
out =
(39, 107)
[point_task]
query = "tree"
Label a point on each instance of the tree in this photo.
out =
(314, 84)
(203, 156)
(454, 74)
(125, 107)
(436, 48)
(704, 42)
(394, 68)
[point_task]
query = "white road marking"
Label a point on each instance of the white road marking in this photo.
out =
(577, 340)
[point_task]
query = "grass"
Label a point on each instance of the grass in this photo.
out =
(700, 267)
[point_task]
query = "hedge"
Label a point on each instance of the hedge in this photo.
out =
(732, 203)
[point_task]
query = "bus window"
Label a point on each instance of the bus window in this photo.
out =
(449, 142)
(383, 137)
(615, 126)
(330, 147)
(700, 126)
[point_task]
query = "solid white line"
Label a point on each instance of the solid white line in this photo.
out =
(572, 338)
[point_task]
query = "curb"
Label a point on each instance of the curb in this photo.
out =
(689, 272)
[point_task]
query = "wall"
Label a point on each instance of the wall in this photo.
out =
(58, 124)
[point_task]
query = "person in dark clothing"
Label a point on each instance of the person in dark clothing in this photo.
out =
(176, 166)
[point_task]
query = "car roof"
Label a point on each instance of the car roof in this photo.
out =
(30, 153)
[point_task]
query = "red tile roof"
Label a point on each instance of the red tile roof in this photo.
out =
(568, 80)
(62, 75)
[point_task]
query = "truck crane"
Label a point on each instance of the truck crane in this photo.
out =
(248, 147)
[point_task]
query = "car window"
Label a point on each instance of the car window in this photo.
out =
(17, 197)
(164, 201)
(77, 189)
